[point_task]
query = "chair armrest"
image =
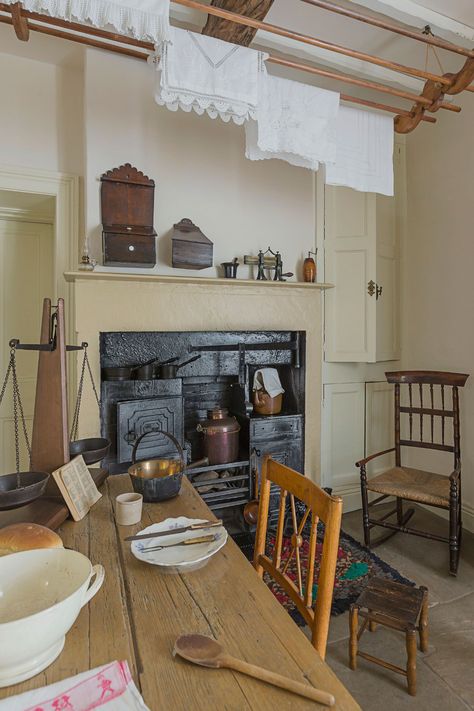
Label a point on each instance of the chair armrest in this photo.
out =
(456, 475)
(362, 462)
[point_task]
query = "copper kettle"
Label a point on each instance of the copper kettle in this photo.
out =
(221, 436)
(263, 404)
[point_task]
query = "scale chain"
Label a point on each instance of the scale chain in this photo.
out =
(75, 419)
(18, 406)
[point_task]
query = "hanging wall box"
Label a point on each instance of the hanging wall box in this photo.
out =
(128, 237)
(191, 249)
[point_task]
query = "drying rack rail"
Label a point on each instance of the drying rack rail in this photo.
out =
(429, 101)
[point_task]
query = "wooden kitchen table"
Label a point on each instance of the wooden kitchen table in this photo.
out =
(139, 612)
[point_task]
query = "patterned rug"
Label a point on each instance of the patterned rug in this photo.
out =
(355, 565)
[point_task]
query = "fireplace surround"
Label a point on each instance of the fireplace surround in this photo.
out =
(122, 302)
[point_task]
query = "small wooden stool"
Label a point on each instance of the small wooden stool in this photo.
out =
(394, 605)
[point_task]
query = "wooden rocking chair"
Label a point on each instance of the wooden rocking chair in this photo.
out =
(322, 507)
(425, 487)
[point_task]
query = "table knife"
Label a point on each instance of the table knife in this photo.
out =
(170, 531)
(186, 542)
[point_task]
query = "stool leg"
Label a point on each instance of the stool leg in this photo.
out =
(353, 644)
(411, 661)
(372, 625)
(424, 621)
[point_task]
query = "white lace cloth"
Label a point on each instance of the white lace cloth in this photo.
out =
(364, 159)
(295, 122)
(146, 20)
(204, 74)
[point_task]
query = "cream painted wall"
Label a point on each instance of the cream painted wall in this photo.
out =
(438, 283)
(199, 168)
(40, 114)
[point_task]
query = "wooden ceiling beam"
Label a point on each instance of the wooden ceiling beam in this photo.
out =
(230, 31)
(20, 23)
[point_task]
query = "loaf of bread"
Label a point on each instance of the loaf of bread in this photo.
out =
(19, 537)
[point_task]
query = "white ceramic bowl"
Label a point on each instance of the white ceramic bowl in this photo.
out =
(41, 594)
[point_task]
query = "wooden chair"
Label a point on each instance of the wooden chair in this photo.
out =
(322, 507)
(424, 487)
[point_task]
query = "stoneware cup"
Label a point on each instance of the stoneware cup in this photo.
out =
(128, 509)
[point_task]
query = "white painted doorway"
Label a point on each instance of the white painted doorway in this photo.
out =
(27, 275)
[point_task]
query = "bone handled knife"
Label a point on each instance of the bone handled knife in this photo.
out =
(170, 531)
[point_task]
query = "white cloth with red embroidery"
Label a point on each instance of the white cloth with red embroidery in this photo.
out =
(110, 686)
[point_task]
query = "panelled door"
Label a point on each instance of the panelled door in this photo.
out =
(26, 276)
(350, 264)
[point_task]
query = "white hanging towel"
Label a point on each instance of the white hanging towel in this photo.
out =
(108, 687)
(269, 380)
(146, 20)
(364, 158)
(204, 74)
(296, 123)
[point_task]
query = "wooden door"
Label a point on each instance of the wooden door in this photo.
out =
(350, 264)
(26, 277)
(387, 275)
(342, 444)
(379, 424)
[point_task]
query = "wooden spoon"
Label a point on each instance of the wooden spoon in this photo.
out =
(206, 652)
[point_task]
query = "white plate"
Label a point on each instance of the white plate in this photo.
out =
(177, 559)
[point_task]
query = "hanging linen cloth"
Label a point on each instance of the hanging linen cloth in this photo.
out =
(364, 157)
(295, 122)
(204, 74)
(146, 20)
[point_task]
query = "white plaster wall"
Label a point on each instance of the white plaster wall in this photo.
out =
(199, 168)
(438, 281)
(40, 114)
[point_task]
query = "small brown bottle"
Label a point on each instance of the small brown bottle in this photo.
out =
(309, 268)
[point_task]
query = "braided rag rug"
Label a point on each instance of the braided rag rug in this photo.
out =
(355, 565)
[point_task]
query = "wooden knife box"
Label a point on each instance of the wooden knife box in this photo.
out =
(127, 202)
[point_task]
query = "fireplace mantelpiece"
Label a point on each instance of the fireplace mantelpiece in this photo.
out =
(128, 302)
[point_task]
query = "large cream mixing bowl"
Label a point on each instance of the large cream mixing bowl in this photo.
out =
(41, 595)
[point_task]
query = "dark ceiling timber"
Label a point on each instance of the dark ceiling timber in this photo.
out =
(230, 31)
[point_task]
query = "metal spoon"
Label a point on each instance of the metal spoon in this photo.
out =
(206, 652)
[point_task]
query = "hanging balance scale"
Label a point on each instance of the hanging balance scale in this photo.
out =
(51, 446)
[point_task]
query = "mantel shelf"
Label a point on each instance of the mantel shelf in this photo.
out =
(205, 281)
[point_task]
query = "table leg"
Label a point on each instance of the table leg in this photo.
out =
(353, 644)
(411, 661)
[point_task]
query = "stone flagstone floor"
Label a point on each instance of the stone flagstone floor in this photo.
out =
(445, 675)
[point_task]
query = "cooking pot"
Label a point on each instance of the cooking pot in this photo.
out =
(168, 371)
(159, 479)
(221, 436)
(147, 370)
(41, 594)
(117, 373)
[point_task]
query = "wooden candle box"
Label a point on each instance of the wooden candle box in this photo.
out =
(191, 249)
(127, 201)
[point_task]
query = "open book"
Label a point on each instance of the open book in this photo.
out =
(77, 487)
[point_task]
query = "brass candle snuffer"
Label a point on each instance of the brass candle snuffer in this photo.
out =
(268, 261)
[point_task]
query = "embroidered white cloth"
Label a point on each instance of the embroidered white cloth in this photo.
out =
(110, 687)
(204, 74)
(296, 123)
(143, 19)
(364, 158)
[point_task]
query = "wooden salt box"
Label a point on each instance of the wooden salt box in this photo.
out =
(127, 199)
(191, 249)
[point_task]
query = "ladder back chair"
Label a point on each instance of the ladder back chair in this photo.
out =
(425, 423)
(317, 506)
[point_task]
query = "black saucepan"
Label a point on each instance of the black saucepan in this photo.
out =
(168, 371)
(145, 371)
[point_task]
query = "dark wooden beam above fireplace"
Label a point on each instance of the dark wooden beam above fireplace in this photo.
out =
(230, 31)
